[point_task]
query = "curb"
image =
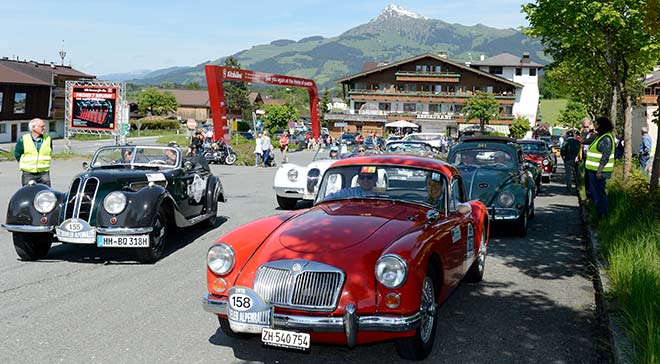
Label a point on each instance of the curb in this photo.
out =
(620, 346)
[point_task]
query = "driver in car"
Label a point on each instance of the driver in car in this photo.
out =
(435, 188)
(366, 180)
(171, 154)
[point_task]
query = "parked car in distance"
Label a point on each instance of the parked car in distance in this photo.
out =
(246, 134)
(435, 139)
(494, 171)
(538, 151)
(422, 149)
(353, 269)
(129, 197)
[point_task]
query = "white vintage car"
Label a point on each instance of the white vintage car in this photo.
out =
(294, 183)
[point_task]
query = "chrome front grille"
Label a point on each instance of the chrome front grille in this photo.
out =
(300, 284)
(80, 202)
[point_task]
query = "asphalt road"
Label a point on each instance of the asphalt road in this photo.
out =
(83, 305)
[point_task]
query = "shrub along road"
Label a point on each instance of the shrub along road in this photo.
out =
(83, 305)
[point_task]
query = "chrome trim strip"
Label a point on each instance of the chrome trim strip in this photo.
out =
(28, 228)
(124, 230)
(219, 306)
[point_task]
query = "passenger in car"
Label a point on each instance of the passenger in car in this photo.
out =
(436, 188)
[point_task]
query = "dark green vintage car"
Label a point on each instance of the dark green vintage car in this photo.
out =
(494, 171)
(129, 197)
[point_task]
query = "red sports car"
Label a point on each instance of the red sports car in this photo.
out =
(537, 151)
(388, 239)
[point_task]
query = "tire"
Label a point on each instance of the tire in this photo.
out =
(32, 246)
(210, 222)
(224, 326)
(420, 345)
(287, 203)
(521, 223)
(156, 239)
(476, 272)
(230, 159)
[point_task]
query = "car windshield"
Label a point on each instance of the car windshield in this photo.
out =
(534, 147)
(482, 158)
(423, 137)
(408, 148)
(134, 156)
(392, 182)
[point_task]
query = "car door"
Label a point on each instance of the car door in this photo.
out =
(194, 178)
(464, 245)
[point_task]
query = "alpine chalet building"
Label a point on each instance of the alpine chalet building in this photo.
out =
(430, 91)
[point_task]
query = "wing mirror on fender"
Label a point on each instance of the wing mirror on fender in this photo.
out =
(464, 209)
(85, 165)
(432, 216)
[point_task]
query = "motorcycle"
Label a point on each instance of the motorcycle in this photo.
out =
(219, 154)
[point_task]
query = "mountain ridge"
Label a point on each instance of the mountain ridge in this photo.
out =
(393, 35)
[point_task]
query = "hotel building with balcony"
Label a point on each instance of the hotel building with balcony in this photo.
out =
(431, 90)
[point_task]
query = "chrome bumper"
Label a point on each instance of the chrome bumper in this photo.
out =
(350, 322)
(290, 192)
(28, 228)
(503, 213)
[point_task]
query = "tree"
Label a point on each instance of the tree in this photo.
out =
(323, 108)
(156, 103)
(482, 106)
(617, 39)
(572, 115)
(236, 92)
(278, 116)
(519, 127)
(193, 85)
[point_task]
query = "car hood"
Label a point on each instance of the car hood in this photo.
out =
(484, 183)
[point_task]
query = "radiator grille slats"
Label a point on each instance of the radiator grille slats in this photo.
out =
(80, 202)
(316, 287)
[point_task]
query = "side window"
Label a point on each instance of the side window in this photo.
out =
(456, 194)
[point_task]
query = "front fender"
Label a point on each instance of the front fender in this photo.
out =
(141, 208)
(21, 211)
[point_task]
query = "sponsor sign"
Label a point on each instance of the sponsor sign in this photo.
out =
(94, 107)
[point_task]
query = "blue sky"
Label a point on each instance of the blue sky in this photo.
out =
(102, 37)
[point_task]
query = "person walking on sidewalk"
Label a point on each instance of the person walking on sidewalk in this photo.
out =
(569, 153)
(33, 152)
(284, 145)
(265, 149)
(644, 148)
(257, 150)
(599, 164)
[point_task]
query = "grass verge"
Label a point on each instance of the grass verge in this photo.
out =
(630, 242)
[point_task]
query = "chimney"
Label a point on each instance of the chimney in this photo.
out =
(442, 54)
(482, 57)
(525, 57)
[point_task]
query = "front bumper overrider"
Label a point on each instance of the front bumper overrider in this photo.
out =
(350, 323)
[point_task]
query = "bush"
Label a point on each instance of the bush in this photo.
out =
(630, 239)
(156, 124)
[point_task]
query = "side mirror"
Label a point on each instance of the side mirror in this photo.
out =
(85, 165)
(432, 216)
(464, 209)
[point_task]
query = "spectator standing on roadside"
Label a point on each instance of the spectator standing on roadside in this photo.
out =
(284, 145)
(569, 153)
(33, 151)
(599, 164)
(644, 148)
(587, 136)
(265, 148)
(257, 150)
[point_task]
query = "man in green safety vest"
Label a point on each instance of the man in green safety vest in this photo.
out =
(33, 152)
(600, 164)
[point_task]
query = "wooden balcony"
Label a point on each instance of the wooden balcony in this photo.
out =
(425, 97)
(427, 77)
(649, 100)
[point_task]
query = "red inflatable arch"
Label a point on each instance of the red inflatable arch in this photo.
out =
(216, 74)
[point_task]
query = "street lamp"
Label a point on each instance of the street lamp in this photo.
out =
(62, 53)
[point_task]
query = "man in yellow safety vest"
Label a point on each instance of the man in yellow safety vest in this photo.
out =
(33, 152)
(600, 164)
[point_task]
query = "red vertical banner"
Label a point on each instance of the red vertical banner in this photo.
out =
(216, 74)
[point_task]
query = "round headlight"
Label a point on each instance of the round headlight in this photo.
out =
(391, 271)
(220, 259)
(292, 174)
(45, 201)
(546, 162)
(506, 199)
(114, 202)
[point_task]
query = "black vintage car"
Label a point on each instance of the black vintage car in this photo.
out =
(130, 196)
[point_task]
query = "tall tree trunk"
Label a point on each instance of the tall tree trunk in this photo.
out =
(614, 104)
(627, 129)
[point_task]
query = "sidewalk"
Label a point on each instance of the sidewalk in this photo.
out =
(84, 146)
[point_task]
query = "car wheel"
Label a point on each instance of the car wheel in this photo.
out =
(226, 329)
(476, 272)
(156, 239)
(521, 223)
(419, 346)
(210, 222)
(32, 246)
(230, 159)
(287, 203)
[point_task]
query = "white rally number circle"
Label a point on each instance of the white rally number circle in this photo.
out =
(240, 302)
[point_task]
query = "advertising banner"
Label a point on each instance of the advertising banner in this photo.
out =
(94, 107)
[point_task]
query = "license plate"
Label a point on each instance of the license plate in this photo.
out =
(117, 241)
(285, 339)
